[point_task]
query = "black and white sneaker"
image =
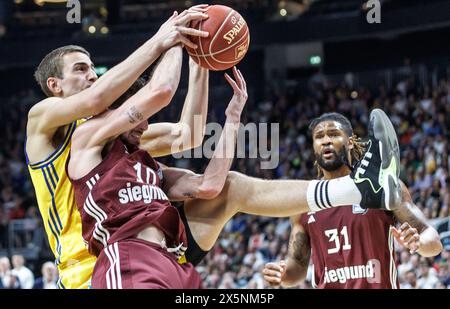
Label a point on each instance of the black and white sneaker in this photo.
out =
(376, 174)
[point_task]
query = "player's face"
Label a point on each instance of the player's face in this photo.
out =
(329, 139)
(78, 73)
(133, 137)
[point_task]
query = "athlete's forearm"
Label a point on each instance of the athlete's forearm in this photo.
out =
(295, 273)
(217, 170)
(168, 71)
(430, 243)
(117, 80)
(195, 107)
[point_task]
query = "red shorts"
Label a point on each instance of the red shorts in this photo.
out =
(139, 264)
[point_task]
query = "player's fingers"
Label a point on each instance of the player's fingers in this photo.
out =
(186, 42)
(199, 7)
(273, 266)
(405, 235)
(231, 82)
(192, 31)
(271, 273)
(190, 16)
(414, 247)
(395, 232)
(243, 81)
(237, 77)
(404, 226)
(174, 14)
(412, 240)
(272, 280)
(183, 13)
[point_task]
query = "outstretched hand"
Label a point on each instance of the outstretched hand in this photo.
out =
(240, 95)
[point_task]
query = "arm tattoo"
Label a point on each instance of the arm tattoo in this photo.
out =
(299, 249)
(134, 115)
(408, 212)
(189, 195)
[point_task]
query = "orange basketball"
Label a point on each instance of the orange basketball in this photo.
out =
(227, 42)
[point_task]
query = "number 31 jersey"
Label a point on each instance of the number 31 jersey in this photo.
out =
(351, 248)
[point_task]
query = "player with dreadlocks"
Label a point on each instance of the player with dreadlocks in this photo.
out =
(351, 247)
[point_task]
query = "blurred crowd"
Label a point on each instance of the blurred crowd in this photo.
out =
(418, 111)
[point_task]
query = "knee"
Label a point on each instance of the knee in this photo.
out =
(234, 177)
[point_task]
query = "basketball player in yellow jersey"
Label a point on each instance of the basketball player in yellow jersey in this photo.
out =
(67, 77)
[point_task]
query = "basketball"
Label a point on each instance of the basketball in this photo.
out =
(227, 42)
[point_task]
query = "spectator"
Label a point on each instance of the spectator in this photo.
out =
(49, 277)
(24, 274)
(7, 279)
(428, 278)
(410, 280)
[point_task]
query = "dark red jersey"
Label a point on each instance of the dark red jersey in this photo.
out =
(351, 248)
(122, 196)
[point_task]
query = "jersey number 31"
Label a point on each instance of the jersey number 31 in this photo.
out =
(333, 236)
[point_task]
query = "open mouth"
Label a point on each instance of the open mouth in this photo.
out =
(136, 135)
(328, 153)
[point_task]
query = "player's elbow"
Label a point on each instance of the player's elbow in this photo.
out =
(208, 192)
(234, 177)
(435, 247)
(438, 247)
(432, 244)
(163, 95)
(293, 279)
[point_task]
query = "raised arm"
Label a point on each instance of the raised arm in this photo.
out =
(89, 139)
(415, 233)
(161, 139)
(55, 112)
(291, 272)
(138, 108)
(182, 186)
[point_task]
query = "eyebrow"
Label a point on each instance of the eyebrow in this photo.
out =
(327, 130)
(83, 63)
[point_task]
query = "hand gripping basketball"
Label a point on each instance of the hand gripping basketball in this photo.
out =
(175, 30)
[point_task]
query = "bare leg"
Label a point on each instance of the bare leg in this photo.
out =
(241, 193)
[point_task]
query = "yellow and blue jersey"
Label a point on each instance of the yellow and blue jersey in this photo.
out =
(62, 221)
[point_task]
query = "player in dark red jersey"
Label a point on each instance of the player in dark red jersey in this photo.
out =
(350, 247)
(123, 194)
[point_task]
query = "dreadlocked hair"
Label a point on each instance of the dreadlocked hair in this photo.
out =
(356, 153)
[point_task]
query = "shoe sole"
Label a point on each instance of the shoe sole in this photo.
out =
(384, 132)
(392, 196)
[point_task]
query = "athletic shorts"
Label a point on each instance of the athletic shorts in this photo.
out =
(139, 264)
(194, 254)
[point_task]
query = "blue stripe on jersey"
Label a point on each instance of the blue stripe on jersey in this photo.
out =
(53, 201)
(58, 151)
(25, 150)
(58, 244)
(60, 284)
(54, 172)
(50, 177)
